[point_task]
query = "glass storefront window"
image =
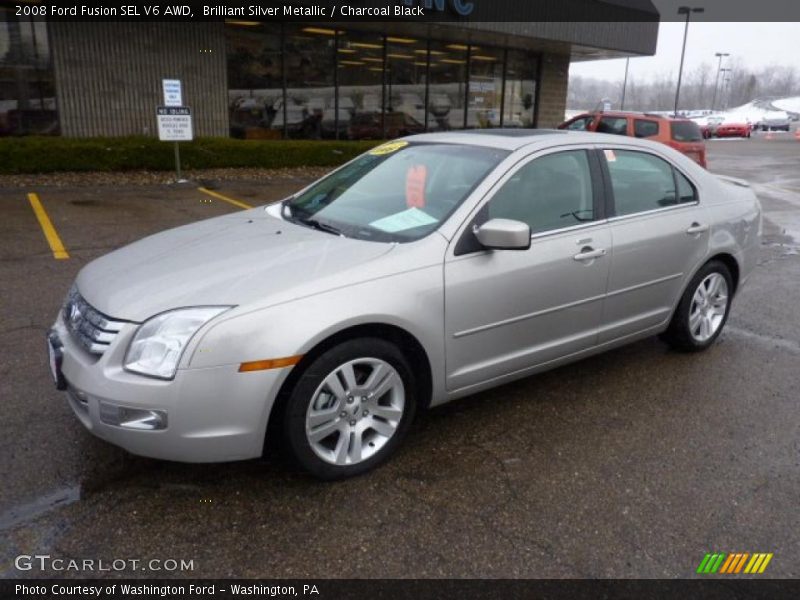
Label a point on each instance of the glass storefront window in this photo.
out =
(27, 87)
(310, 62)
(406, 77)
(255, 80)
(360, 79)
(520, 89)
(447, 89)
(344, 84)
(485, 87)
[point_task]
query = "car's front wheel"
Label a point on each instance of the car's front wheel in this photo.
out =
(703, 309)
(351, 408)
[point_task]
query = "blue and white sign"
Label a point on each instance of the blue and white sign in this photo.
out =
(173, 94)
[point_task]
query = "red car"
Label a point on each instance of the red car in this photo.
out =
(733, 130)
(681, 134)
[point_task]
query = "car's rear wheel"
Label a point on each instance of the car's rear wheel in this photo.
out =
(350, 408)
(703, 309)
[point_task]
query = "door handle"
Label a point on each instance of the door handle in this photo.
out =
(696, 228)
(589, 254)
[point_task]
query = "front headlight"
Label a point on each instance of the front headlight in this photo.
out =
(160, 341)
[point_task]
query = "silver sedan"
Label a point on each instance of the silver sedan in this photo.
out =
(427, 269)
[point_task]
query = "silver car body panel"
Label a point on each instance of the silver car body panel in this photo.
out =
(482, 318)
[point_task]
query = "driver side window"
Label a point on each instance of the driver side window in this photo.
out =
(548, 193)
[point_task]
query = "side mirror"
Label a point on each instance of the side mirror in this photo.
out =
(504, 234)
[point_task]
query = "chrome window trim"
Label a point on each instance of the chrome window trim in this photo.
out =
(653, 211)
(579, 227)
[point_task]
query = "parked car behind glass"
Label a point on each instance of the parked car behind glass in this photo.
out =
(376, 126)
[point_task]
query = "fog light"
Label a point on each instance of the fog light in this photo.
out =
(133, 418)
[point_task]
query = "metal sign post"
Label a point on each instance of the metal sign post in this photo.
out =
(178, 162)
(174, 119)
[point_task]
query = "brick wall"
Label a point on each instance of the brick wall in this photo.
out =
(553, 94)
(108, 75)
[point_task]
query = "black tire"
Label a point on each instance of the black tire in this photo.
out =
(294, 416)
(678, 335)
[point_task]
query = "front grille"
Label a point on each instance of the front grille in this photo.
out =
(93, 330)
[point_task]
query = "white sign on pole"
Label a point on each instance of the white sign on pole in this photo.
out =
(173, 94)
(174, 123)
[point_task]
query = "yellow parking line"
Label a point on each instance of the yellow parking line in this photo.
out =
(224, 198)
(59, 252)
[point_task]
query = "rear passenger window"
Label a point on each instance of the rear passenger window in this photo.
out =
(551, 192)
(642, 128)
(686, 191)
(615, 125)
(641, 181)
(686, 131)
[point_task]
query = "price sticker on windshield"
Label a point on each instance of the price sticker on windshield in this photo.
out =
(416, 177)
(384, 149)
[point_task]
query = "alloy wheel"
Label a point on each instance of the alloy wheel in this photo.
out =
(709, 306)
(355, 411)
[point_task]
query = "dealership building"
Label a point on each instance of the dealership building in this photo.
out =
(304, 80)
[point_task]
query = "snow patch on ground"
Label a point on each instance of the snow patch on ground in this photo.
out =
(753, 112)
(791, 104)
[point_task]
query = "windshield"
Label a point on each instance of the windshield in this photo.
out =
(398, 192)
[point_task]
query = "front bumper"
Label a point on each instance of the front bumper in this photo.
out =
(209, 415)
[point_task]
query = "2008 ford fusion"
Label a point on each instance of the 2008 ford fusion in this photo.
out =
(427, 269)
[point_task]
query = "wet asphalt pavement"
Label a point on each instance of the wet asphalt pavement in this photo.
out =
(634, 463)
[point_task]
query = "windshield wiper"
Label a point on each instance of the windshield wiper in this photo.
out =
(286, 213)
(320, 226)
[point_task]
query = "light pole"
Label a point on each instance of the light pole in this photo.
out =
(684, 10)
(625, 83)
(719, 55)
(726, 87)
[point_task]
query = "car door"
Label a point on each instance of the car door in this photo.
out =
(509, 310)
(659, 233)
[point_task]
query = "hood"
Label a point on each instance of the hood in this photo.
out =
(231, 260)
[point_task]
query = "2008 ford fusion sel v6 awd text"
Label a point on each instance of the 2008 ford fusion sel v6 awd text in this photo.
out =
(424, 270)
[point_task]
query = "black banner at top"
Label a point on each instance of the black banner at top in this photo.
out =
(406, 589)
(406, 10)
(341, 10)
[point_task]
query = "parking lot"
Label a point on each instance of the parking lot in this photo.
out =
(634, 463)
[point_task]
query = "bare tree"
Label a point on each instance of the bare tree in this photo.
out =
(739, 86)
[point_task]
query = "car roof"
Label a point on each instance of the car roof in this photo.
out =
(630, 113)
(514, 139)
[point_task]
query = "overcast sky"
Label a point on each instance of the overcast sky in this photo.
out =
(755, 44)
